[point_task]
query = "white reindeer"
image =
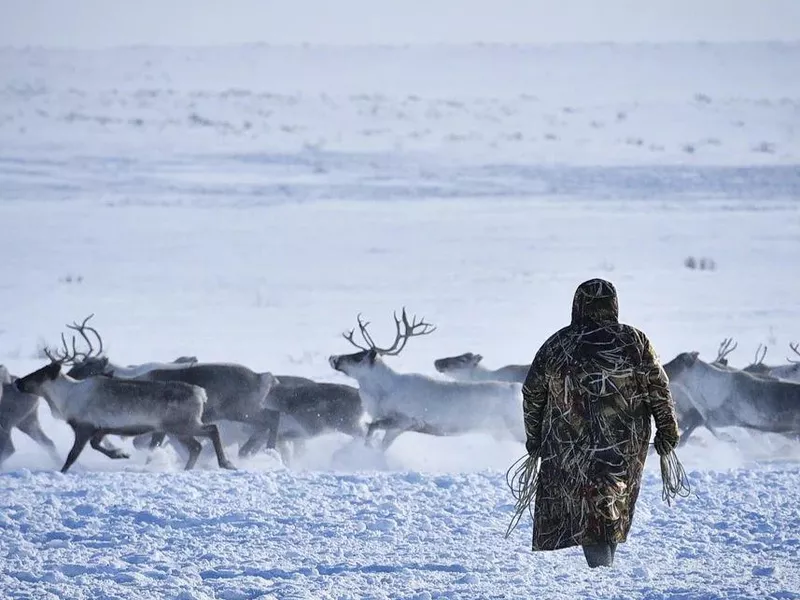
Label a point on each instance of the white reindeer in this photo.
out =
(400, 402)
(99, 406)
(467, 367)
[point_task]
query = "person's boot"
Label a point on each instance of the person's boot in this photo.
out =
(599, 555)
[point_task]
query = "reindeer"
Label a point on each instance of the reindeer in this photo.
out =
(99, 406)
(234, 392)
(789, 372)
(467, 367)
(689, 418)
(313, 409)
(724, 398)
(19, 410)
(400, 402)
(308, 409)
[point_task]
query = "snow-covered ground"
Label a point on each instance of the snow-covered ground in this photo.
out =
(376, 535)
(245, 203)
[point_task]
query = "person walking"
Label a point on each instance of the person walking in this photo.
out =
(588, 400)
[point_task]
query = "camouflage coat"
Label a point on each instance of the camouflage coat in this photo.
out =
(588, 400)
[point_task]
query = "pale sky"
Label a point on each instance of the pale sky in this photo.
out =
(101, 23)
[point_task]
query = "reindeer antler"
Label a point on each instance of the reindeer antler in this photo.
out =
(405, 330)
(796, 349)
(725, 348)
(364, 334)
(81, 329)
(69, 356)
(760, 356)
(62, 356)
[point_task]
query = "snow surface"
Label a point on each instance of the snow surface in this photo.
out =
(377, 535)
(245, 203)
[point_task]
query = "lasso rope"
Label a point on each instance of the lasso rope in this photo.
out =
(674, 481)
(522, 483)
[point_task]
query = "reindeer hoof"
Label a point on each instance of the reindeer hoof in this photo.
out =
(118, 454)
(227, 465)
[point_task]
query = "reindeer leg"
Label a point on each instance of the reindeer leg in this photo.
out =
(253, 443)
(113, 453)
(83, 434)
(390, 437)
(156, 440)
(194, 447)
(273, 419)
(723, 437)
(211, 431)
(386, 424)
(692, 422)
(31, 427)
(267, 427)
(6, 445)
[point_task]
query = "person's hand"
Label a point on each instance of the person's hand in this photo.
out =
(664, 444)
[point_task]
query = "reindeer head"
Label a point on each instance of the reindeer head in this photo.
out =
(680, 364)
(757, 366)
(185, 360)
(33, 382)
(90, 367)
(350, 364)
(465, 361)
(725, 348)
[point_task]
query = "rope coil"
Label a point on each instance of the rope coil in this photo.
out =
(674, 481)
(522, 478)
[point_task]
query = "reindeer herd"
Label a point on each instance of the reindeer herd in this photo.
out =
(186, 401)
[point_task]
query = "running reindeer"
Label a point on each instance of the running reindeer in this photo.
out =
(20, 410)
(789, 372)
(467, 367)
(233, 392)
(401, 402)
(689, 418)
(247, 404)
(99, 406)
(308, 409)
(724, 398)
